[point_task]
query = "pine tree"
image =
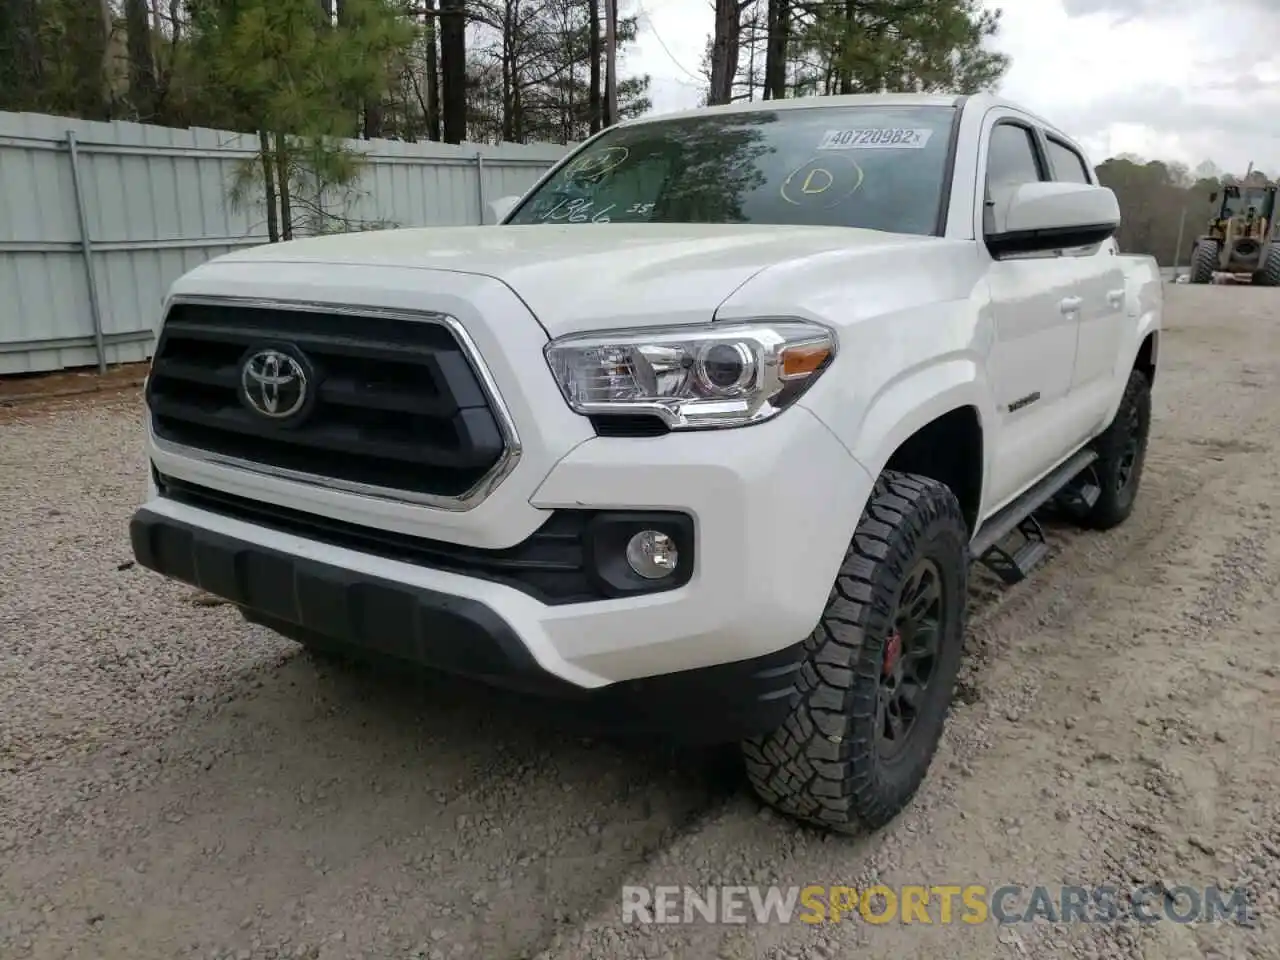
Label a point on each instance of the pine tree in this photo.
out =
(902, 45)
(284, 69)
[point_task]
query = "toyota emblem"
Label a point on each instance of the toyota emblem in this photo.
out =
(274, 384)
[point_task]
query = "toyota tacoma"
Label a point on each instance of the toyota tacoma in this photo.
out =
(701, 436)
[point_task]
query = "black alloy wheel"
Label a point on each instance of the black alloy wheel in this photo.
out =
(910, 658)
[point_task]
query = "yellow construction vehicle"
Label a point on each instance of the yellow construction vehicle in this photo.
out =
(1243, 236)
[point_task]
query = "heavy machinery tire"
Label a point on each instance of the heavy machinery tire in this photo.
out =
(1269, 275)
(1204, 260)
(879, 669)
(1122, 451)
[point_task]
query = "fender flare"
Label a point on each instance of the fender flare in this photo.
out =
(1149, 325)
(911, 401)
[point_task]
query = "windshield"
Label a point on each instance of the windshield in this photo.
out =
(882, 168)
(1250, 197)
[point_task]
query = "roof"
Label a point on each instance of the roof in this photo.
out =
(810, 102)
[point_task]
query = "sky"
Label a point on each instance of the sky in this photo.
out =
(1175, 80)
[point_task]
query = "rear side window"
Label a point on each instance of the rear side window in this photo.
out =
(1011, 156)
(1067, 165)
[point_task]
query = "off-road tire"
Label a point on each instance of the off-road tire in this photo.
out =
(1132, 421)
(1269, 274)
(1204, 261)
(822, 765)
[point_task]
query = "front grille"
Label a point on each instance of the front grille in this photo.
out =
(549, 566)
(397, 404)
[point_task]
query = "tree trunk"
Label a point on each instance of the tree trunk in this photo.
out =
(268, 185)
(775, 56)
(374, 119)
(453, 70)
(508, 72)
(610, 62)
(517, 115)
(87, 26)
(844, 70)
(21, 59)
(367, 116)
(724, 51)
(568, 117)
(282, 178)
(142, 66)
(433, 72)
(594, 104)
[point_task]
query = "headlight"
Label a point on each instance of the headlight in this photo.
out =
(717, 375)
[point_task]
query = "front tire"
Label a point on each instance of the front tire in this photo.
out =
(1269, 274)
(879, 669)
(1122, 452)
(1204, 261)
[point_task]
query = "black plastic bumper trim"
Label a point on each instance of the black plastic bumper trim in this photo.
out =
(397, 619)
(307, 600)
(575, 556)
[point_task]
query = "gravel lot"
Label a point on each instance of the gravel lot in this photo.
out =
(176, 783)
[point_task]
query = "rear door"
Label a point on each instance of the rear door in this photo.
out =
(1103, 310)
(1036, 304)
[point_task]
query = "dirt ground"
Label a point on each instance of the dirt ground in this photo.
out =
(176, 783)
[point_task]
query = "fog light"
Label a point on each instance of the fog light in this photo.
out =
(652, 555)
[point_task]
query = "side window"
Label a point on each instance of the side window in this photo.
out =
(1011, 156)
(1067, 165)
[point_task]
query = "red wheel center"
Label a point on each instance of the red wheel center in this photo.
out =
(892, 651)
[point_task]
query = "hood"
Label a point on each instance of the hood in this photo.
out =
(593, 276)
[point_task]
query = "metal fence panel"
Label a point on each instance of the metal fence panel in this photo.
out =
(140, 205)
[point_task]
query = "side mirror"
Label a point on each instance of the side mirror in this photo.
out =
(501, 207)
(1039, 217)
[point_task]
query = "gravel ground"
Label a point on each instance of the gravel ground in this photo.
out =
(174, 782)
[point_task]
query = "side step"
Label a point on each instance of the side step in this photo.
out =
(1015, 565)
(1081, 493)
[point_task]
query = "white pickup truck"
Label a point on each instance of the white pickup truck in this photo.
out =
(702, 436)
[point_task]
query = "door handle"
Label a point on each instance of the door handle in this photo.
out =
(1116, 298)
(1070, 304)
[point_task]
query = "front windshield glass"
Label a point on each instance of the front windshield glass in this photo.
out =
(882, 168)
(1247, 198)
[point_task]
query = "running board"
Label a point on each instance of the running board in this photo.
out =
(1082, 493)
(1015, 565)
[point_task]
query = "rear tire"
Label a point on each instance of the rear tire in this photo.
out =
(1122, 452)
(882, 660)
(1204, 260)
(1269, 275)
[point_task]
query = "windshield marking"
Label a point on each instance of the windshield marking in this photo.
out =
(597, 165)
(808, 188)
(871, 138)
(578, 210)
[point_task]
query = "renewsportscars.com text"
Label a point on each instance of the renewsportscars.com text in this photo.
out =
(934, 904)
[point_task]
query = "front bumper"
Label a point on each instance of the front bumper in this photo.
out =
(773, 507)
(303, 598)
